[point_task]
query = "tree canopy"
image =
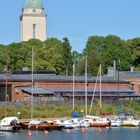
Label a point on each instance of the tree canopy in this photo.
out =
(57, 55)
(134, 45)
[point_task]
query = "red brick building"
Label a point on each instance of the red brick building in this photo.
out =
(49, 84)
(133, 78)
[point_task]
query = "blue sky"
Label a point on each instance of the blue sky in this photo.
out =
(76, 19)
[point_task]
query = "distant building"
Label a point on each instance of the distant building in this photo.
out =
(132, 76)
(48, 84)
(33, 21)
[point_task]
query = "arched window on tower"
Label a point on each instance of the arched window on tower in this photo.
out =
(34, 30)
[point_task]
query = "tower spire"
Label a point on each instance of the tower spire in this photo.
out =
(33, 4)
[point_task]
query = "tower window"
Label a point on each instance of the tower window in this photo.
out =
(34, 30)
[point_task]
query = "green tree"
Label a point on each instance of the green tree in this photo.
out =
(95, 47)
(53, 54)
(19, 54)
(4, 56)
(134, 45)
(116, 49)
(67, 59)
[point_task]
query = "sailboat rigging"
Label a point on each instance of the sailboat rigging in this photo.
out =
(32, 83)
(100, 107)
(73, 84)
(36, 124)
(6, 91)
(100, 122)
(73, 113)
(94, 93)
(86, 86)
(100, 89)
(100, 101)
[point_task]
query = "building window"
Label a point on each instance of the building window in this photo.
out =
(34, 30)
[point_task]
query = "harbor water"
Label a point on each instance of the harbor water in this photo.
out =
(76, 134)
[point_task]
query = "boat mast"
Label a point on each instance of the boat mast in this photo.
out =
(32, 82)
(86, 85)
(100, 92)
(118, 77)
(73, 83)
(6, 91)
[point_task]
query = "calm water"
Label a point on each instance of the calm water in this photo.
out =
(90, 134)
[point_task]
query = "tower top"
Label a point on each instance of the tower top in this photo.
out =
(33, 4)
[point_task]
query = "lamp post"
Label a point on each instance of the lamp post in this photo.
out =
(18, 114)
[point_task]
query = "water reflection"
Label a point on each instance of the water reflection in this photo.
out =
(89, 134)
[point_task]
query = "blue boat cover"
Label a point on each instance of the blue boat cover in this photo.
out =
(122, 118)
(75, 115)
(122, 112)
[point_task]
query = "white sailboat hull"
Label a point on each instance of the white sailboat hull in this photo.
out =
(116, 123)
(130, 123)
(6, 128)
(9, 124)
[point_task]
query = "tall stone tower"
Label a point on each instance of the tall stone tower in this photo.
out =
(33, 21)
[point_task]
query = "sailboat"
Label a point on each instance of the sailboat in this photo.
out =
(84, 122)
(9, 123)
(77, 120)
(127, 119)
(130, 121)
(35, 124)
(73, 113)
(100, 121)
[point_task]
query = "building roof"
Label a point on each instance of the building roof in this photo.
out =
(129, 74)
(106, 92)
(33, 4)
(45, 91)
(37, 90)
(91, 90)
(42, 77)
(104, 95)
